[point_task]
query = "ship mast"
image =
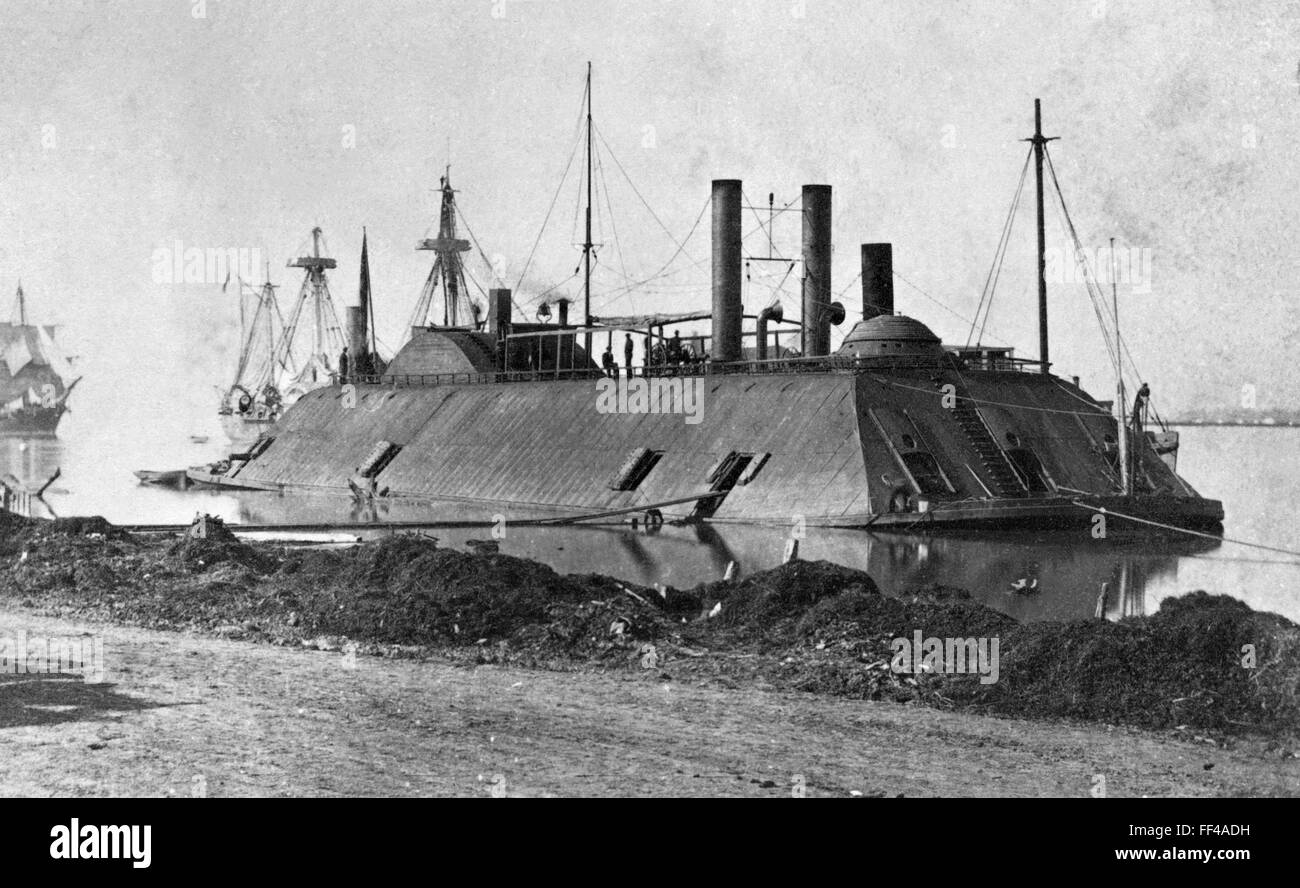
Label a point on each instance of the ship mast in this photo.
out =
(326, 339)
(22, 305)
(1040, 144)
(586, 246)
(447, 268)
(1121, 418)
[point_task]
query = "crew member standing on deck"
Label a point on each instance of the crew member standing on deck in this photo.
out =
(627, 355)
(343, 365)
(1140, 406)
(607, 361)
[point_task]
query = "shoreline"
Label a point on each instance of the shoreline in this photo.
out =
(811, 627)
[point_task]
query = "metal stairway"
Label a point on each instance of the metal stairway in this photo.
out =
(1005, 480)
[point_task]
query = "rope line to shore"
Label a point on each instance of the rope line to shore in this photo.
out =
(1197, 533)
(938, 393)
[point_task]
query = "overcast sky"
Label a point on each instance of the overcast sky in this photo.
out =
(128, 126)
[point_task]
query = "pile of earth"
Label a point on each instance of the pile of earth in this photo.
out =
(1202, 661)
(1206, 661)
(405, 590)
(208, 542)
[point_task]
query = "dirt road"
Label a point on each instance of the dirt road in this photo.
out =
(185, 715)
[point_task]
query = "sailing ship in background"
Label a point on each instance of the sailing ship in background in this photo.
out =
(275, 367)
(35, 376)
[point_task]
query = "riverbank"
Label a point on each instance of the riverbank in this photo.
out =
(809, 627)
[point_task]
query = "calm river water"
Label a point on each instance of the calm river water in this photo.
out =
(1255, 471)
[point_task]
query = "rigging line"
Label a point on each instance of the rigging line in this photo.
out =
(1093, 287)
(928, 391)
(842, 292)
(999, 252)
(1094, 296)
(546, 293)
(1006, 244)
(1121, 346)
(613, 225)
(761, 227)
(944, 306)
(680, 247)
(748, 234)
(1195, 533)
(563, 176)
(473, 280)
(998, 275)
(644, 202)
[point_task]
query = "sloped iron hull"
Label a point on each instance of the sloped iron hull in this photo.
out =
(832, 444)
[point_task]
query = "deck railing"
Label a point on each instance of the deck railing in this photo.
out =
(827, 364)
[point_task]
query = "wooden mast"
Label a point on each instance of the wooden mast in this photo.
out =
(1040, 144)
(586, 246)
(1121, 406)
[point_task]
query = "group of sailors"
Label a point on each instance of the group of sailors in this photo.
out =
(669, 357)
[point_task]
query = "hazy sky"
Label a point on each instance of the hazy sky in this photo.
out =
(130, 125)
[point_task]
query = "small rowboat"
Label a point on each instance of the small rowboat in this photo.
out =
(173, 478)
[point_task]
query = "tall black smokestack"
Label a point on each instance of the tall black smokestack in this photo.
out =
(727, 309)
(498, 325)
(817, 270)
(877, 280)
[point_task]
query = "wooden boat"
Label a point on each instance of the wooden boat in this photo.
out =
(169, 478)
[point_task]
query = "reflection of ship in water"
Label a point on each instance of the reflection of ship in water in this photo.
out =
(35, 377)
(275, 368)
(1065, 572)
(28, 464)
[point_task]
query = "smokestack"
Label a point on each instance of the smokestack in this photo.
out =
(498, 325)
(817, 270)
(877, 280)
(564, 311)
(498, 313)
(358, 343)
(727, 307)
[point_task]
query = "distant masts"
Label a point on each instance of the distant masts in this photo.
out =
(22, 306)
(448, 270)
(316, 265)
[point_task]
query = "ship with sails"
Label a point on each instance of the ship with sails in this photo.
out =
(893, 430)
(276, 366)
(36, 378)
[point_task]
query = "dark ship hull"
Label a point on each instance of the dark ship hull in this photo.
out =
(823, 446)
(35, 379)
(32, 421)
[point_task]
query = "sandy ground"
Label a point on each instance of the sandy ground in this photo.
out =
(185, 715)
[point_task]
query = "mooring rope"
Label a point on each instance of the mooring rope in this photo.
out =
(1197, 533)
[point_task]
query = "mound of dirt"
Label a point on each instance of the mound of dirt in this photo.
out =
(767, 605)
(405, 590)
(209, 542)
(1203, 660)
(94, 524)
(17, 532)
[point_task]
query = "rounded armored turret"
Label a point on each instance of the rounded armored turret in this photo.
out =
(893, 336)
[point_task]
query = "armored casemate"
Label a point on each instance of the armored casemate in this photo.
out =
(894, 429)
